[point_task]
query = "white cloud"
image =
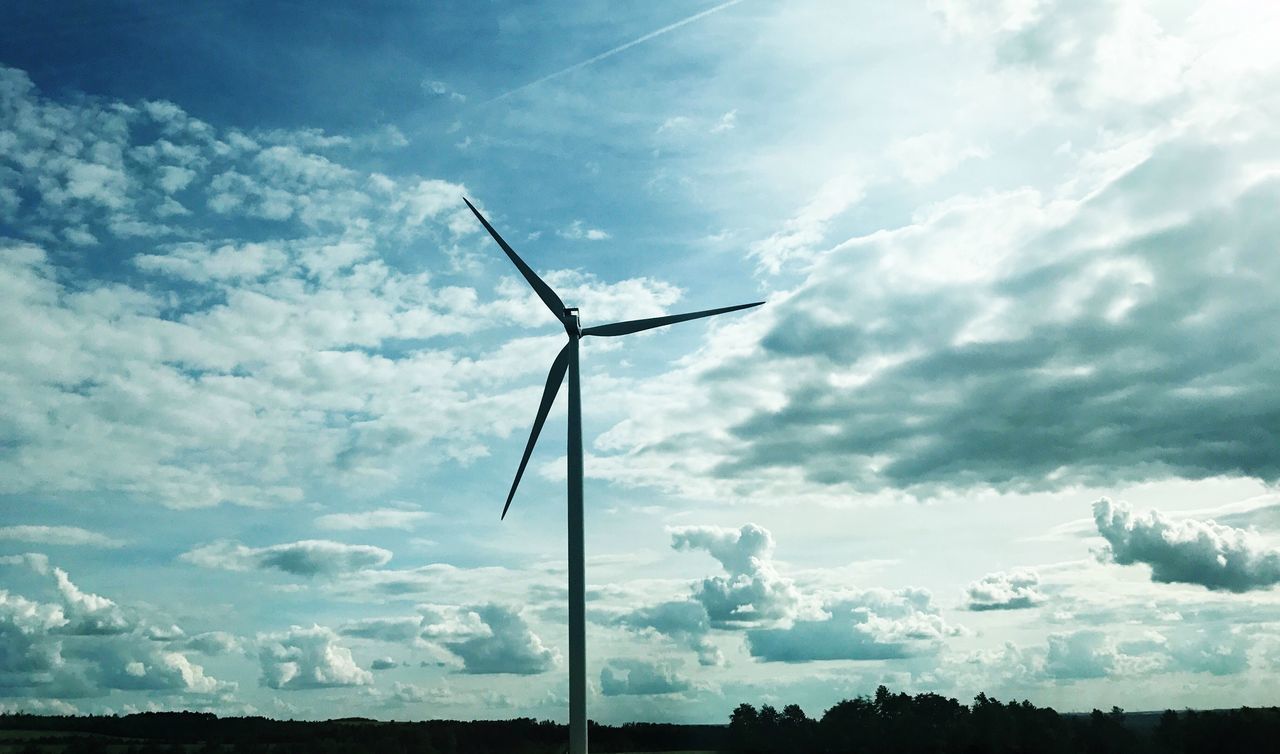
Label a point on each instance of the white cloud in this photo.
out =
(1081, 654)
(311, 557)
(577, 231)
(199, 263)
(57, 535)
(81, 644)
(926, 157)
(753, 591)
(508, 647)
(90, 614)
(308, 658)
(174, 178)
(727, 122)
(799, 240)
(212, 643)
(626, 677)
(380, 518)
(877, 624)
(1188, 551)
(1002, 590)
(481, 640)
(684, 621)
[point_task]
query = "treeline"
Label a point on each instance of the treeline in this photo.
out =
(885, 722)
(933, 724)
(205, 733)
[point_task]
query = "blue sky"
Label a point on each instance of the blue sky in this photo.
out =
(1007, 424)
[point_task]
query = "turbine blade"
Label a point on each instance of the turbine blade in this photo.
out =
(543, 290)
(554, 379)
(636, 325)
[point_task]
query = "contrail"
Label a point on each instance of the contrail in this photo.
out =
(616, 50)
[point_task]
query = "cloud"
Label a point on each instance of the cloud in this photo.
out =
(753, 591)
(90, 614)
(281, 360)
(727, 122)
(199, 263)
(1014, 590)
(437, 88)
(1212, 555)
(408, 693)
(622, 677)
(1081, 654)
(509, 647)
(1219, 651)
(607, 302)
(80, 644)
(798, 241)
(394, 630)
(312, 557)
(876, 624)
(28, 648)
(991, 344)
(684, 621)
(1093, 653)
(579, 232)
(58, 535)
(381, 518)
(926, 157)
(212, 643)
(124, 664)
(308, 658)
(485, 639)
(383, 663)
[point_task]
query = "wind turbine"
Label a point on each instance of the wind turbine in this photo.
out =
(567, 360)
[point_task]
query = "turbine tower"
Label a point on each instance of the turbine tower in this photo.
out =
(567, 360)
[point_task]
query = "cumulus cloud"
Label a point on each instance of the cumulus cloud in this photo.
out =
(1081, 654)
(509, 646)
(1014, 590)
(408, 693)
(753, 590)
(79, 644)
(311, 557)
(120, 663)
(684, 621)
(90, 614)
(780, 622)
(876, 624)
(1212, 555)
(485, 639)
(1095, 653)
(1218, 651)
(405, 629)
(626, 677)
(308, 658)
(212, 643)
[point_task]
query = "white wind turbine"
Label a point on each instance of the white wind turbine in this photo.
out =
(567, 360)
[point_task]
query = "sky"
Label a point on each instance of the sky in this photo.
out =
(1008, 422)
